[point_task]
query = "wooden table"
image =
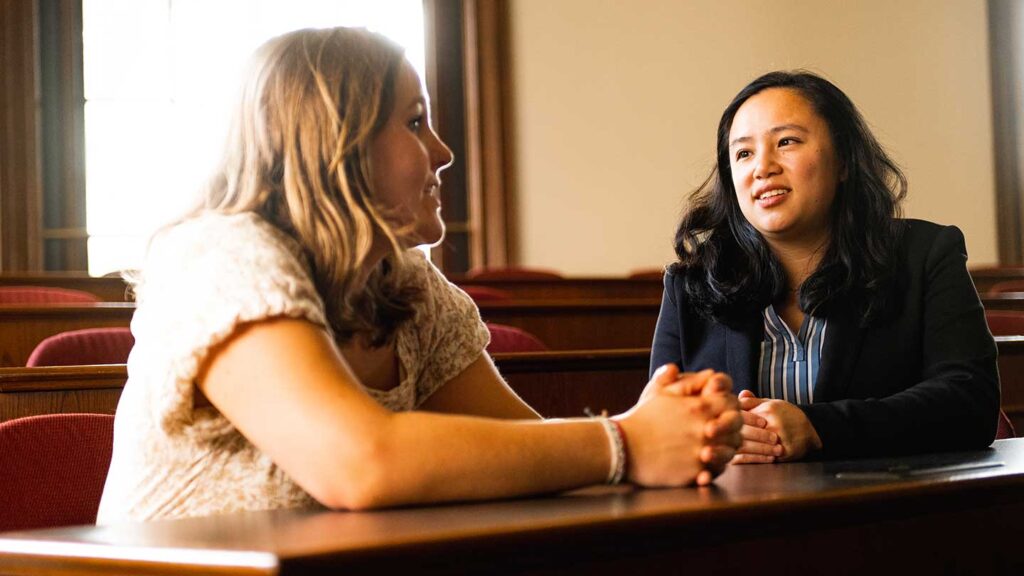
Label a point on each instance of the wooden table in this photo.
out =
(786, 518)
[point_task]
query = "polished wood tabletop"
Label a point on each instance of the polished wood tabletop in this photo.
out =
(948, 513)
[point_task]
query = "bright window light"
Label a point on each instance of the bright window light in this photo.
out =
(159, 79)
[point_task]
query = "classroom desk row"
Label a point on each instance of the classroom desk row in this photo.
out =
(930, 514)
(582, 324)
(571, 288)
(561, 325)
(557, 384)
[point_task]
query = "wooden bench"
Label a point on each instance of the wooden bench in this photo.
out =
(571, 288)
(24, 326)
(580, 324)
(60, 390)
(115, 289)
(1011, 377)
(108, 289)
(985, 278)
(1005, 301)
(561, 325)
(556, 384)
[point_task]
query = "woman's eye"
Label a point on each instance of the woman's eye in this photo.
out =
(786, 141)
(742, 154)
(416, 123)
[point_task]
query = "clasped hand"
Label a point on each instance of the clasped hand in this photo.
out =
(773, 430)
(684, 429)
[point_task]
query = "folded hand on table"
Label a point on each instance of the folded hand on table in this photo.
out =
(773, 430)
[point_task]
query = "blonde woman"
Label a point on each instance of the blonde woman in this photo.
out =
(285, 331)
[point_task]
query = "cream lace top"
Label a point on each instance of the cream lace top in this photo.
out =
(200, 280)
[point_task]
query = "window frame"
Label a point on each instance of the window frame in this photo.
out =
(42, 160)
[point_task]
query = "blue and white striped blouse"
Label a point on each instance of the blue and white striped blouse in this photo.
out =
(789, 363)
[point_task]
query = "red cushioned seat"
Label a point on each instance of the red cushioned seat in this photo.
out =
(512, 339)
(84, 347)
(44, 295)
(52, 469)
(485, 293)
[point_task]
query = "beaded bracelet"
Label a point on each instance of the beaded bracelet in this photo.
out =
(617, 442)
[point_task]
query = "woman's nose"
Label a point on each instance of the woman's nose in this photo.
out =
(441, 154)
(765, 165)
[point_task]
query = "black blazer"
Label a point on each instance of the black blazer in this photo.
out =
(924, 379)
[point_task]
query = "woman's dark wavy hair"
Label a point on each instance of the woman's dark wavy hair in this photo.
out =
(727, 270)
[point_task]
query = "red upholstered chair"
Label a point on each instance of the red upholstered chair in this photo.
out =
(485, 293)
(511, 339)
(1005, 428)
(52, 469)
(512, 273)
(84, 347)
(44, 295)
(1005, 322)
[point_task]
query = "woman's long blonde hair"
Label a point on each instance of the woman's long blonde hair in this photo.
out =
(297, 154)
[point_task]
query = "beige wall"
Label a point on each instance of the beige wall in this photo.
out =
(617, 103)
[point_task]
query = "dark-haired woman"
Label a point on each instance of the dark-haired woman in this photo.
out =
(848, 330)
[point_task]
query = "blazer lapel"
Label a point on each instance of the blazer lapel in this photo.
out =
(743, 353)
(843, 339)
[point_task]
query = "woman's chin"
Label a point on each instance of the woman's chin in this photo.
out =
(427, 236)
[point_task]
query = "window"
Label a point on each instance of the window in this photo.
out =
(159, 80)
(43, 219)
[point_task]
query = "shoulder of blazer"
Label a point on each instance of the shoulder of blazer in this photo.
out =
(922, 234)
(674, 286)
(924, 241)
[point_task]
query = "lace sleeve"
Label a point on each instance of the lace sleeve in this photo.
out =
(448, 332)
(201, 280)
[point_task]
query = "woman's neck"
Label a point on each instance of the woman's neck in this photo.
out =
(799, 259)
(371, 263)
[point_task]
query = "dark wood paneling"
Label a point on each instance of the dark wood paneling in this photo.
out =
(571, 288)
(1011, 377)
(20, 179)
(1006, 51)
(985, 278)
(596, 288)
(556, 384)
(580, 324)
(1004, 301)
(63, 135)
(60, 390)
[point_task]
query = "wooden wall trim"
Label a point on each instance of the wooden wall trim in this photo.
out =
(20, 178)
(488, 29)
(1006, 43)
(62, 144)
(468, 77)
